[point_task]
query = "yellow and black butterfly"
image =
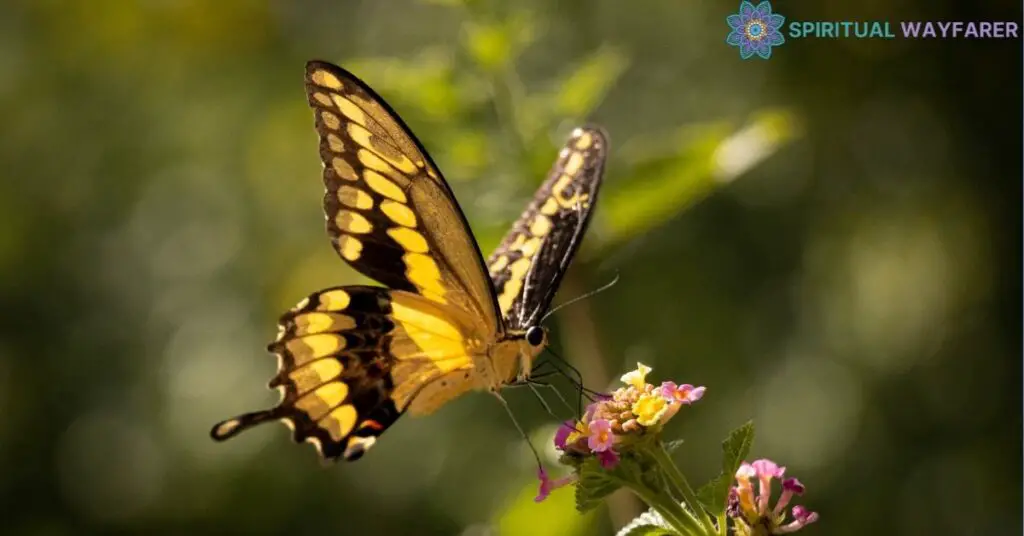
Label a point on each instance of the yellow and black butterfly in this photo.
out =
(352, 359)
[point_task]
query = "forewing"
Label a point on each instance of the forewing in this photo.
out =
(528, 265)
(390, 214)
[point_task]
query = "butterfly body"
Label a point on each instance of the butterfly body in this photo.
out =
(353, 359)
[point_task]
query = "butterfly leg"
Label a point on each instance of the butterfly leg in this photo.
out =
(519, 427)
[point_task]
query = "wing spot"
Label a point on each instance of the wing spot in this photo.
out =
(341, 421)
(352, 222)
(301, 305)
(350, 248)
(584, 141)
(572, 167)
(517, 271)
(334, 300)
(541, 226)
(357, 447)
(550, 207)
(317, 403)
(398, 213)
(350, 110)
(499, 264)
(323, 99)
(409, 240)
(423, 273)
(332, 121)
(326, 79)
(314, 346)
(355, 198)
(343, 169)
(530, 247)
(384, 187)
(335, 143)
(315, 373)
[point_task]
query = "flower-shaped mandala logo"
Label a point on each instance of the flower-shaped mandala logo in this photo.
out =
(755, 30)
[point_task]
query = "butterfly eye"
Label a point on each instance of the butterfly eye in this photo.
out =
(535, 336)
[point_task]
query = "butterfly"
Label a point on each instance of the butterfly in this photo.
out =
(353, 359)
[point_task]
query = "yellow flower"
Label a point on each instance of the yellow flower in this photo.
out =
(637, 377)
(649, 409)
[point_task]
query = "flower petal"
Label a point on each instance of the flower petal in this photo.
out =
(735, 38)
(608, 458)
(563, 432)
(775, 21)
(746, 11)
(775, 38)
(637, 377)
(746, 49)
(600, 436)
(763, 10)
(734, 21)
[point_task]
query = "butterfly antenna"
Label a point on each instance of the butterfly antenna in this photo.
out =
(519, 427)
(598, 290)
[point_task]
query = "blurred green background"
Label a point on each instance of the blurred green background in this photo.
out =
(828, 240)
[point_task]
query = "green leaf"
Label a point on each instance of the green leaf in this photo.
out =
(736, 447)
(647, 530)
(672, 171)
(593, 486)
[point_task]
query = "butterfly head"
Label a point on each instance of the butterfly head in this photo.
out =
(537, 337)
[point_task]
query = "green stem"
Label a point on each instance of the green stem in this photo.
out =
(670, 511)
(675, 476)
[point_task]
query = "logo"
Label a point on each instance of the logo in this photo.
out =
(755, 30)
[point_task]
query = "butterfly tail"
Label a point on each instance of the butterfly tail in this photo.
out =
(229, 428)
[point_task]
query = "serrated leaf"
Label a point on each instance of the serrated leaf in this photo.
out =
(646, 530)
(593, 486)
(735, 449)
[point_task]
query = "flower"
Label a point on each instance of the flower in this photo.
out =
(608, 458)
(650, 408)
(637, 377)
(599, 437)
(684, 394)
(547, 485)
(755, 30)
(750, 511)
(566, 434)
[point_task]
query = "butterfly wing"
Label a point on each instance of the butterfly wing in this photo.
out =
(390, 214)
(351, 360)
(528, 265)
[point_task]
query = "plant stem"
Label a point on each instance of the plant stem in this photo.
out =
(670, 511)
(675, 476)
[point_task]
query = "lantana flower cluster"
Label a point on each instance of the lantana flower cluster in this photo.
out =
(753, 511)
(610, 422)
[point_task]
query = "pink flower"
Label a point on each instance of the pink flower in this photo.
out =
(749, 510)
(683, 394)
(547, 485)
(600, 436)
(790, 487)
(766, 471)
(608, 458)
(562, 435)
(802, 518)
